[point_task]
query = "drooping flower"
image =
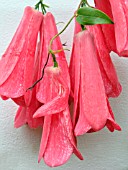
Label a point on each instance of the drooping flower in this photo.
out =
(107, 69)
(116, 35)
(58, 142)
(49, 30)
(91, 111)
(17, 63)
(57, 129)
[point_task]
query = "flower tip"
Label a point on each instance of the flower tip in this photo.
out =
(39, 159)
(80, 157)
(35, 116)
(119, 128)
(15, 125)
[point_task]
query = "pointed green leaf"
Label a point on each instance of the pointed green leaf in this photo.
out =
(92, 16)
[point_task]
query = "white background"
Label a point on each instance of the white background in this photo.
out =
(19, 147)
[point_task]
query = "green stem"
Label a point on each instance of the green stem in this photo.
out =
(51, 41)
(81, 2)
(41, 5)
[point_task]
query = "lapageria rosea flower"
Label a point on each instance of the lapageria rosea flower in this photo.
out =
(107, 69)
(91, 107)
(58, 141)
(116, 35)
(17, 63)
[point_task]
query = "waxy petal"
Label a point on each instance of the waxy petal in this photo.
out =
(118, 32)
(53, 91)
(50, 30)
(73, 63)
(57, 104)
(60, 144)
(108, 72)
(91, 112)
(121, 29)
(23, 45)
(45, 136)
(11, 55)
(20, 118)
(93, 108)
(59, 148)
(108, 29)
(34, 104)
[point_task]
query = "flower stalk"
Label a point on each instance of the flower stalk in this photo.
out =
(41, 5)
(51, 42)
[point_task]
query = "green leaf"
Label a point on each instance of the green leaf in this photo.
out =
(92, 16)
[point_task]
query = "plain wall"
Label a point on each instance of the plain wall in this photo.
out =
(19, 147)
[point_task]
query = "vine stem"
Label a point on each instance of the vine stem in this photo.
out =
(35, 83)
(51, 41)
(80, 4)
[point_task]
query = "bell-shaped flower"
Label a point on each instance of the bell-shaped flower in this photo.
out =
(91, 110)
(17, 63)
(116, 35)
(108, 72)
(49, 30)
(58, 142)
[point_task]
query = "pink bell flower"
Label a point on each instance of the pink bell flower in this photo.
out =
(107, 69)
(17, 63)
(116, 35)
(49, 30)
(58, 141)
(91, 108)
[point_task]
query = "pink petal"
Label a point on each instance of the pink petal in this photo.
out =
(111, 124)
(45, 136)
(22, 46)
(69, 129)
(57, 104)
(109, 32)
(49, 30)
(95, 109)
(120, 24)
(73, 62)
(111, 83)
(59, 148)
(11, 55)
(20, 118)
